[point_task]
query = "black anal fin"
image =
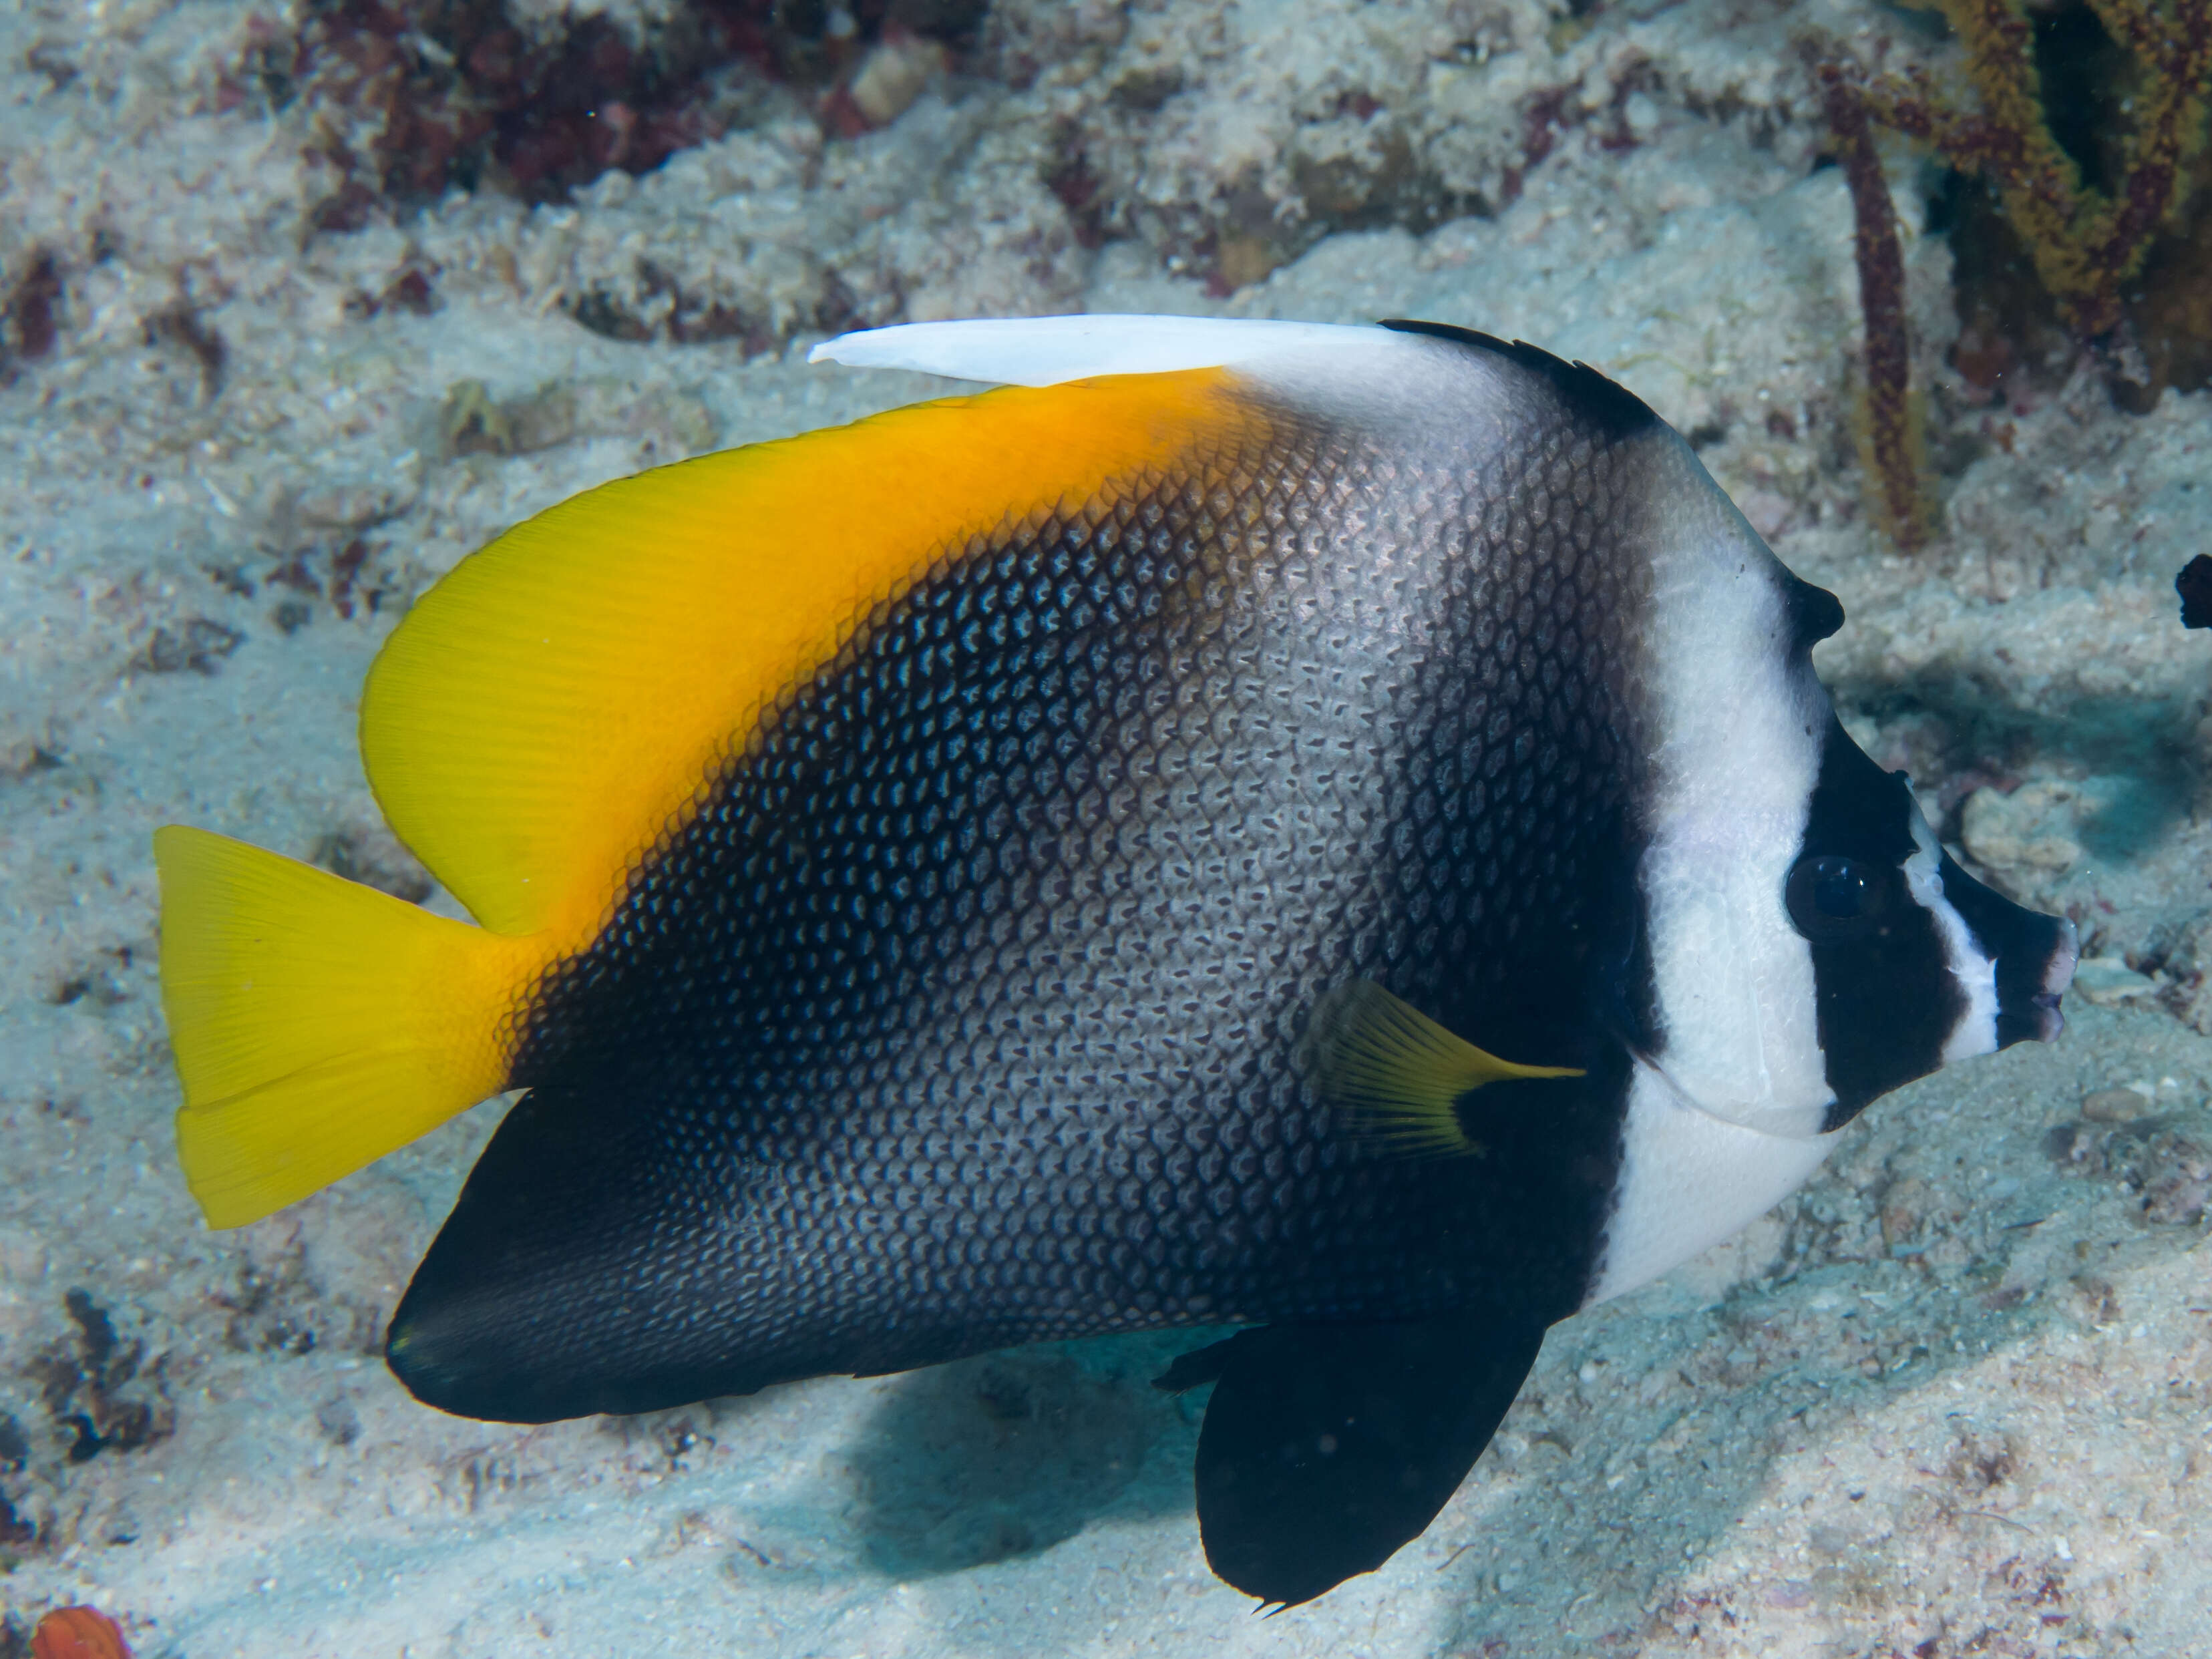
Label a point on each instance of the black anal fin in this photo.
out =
(1328, 1447)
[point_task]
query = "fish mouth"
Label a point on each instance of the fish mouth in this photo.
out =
(2036, 1017)
(2057, 975)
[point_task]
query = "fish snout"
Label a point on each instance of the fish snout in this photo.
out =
(2058, 965)
(2033, 957)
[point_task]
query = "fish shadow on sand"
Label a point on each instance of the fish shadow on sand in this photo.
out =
(2144, 750)
(1611, 1492)
(1008, 1453)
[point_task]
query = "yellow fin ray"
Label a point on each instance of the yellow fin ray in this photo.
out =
(1396, 1075)
(318, 1023)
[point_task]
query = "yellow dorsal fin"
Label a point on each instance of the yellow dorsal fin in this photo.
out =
(549, 710)
(1396, 1075)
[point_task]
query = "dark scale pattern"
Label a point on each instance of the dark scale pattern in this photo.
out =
(967, 1010)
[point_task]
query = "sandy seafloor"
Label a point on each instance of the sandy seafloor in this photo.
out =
(1955, 1398)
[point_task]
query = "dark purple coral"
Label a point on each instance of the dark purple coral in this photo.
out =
(1890, 432)
(2086, 242)
(2087, 245)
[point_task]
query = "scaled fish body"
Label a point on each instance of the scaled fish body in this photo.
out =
(1328, 830)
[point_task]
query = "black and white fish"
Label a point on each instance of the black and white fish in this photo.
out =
(1330, 831)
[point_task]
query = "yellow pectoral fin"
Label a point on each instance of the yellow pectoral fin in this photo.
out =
(1398, 1076)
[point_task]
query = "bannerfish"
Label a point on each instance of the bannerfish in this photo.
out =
(1327, 830)
(2194, 584)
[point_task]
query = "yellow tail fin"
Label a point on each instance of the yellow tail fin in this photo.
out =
(318, 1023)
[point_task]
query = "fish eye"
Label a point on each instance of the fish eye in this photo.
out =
(1833, 897)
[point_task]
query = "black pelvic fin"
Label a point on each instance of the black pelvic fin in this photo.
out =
(1328, 1447)
(1196, 1369)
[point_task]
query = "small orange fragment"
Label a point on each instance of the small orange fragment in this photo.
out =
(78, 1633)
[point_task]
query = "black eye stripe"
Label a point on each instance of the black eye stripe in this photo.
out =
(1830, 896)
(1884, 995)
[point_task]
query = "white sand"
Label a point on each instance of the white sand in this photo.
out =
(1954, 1399)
